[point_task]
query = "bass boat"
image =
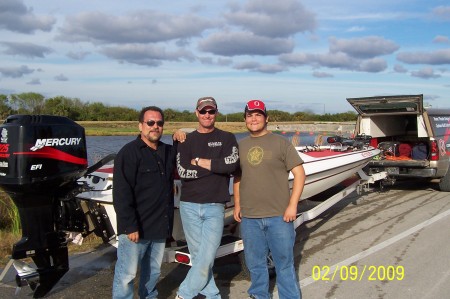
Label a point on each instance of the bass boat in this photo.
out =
(60, 199)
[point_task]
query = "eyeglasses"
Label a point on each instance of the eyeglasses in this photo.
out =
(210, 112)
(151, 123)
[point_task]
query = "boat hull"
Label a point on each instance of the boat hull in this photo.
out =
(324, 169)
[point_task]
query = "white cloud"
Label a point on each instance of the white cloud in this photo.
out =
(442, 12)
(281, 18)
(322, 74)
(244, 43)
(330, 60)
(78, 55)
(400, 68)
(148, 55)
(16, 72)
(145, 26)
(257, 67)
(248, 65)
(26, 49)
(425, 73)
(271, 68)
(441, 39)
(364, 47)
(347, 54)
(61, 77)
(34, 81)
(15, 16)
(421, 57)
(373, 65)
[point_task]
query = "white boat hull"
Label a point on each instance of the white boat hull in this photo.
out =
(327, 171)
(323, 170)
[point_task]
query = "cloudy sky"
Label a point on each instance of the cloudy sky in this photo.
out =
(297, 55)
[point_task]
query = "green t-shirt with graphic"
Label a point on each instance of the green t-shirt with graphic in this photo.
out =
(265, 164)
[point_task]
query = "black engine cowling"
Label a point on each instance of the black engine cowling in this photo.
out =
(39, 152)
(41, 157)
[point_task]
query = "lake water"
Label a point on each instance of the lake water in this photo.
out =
(100, 146)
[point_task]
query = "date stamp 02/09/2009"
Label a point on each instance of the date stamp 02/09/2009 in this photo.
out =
(358, 273)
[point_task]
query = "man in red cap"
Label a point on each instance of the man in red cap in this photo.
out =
(205, 161)
(264, 206)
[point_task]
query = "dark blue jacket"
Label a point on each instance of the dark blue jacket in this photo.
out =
(143, 189)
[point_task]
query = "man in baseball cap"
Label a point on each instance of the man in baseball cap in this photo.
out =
(267, 213)
(205, 162)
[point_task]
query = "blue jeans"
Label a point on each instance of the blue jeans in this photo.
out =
(261, 235)
(203, 228)
(147, 254)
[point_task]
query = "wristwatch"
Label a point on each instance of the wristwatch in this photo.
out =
(196, 160)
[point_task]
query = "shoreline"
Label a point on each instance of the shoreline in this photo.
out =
(129, 128)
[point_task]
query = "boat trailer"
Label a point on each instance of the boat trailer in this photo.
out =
(233, 244)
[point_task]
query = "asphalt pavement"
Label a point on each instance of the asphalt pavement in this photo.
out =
(388, 244)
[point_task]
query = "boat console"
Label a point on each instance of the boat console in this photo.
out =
(338, 144)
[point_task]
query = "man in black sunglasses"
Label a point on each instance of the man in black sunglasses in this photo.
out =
(143, 201)
(205, 161)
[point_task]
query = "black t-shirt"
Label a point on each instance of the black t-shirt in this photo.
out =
(200, 185)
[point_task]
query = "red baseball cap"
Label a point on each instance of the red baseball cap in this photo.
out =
(253, 105)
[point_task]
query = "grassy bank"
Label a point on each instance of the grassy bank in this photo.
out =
(9, 215)
(123, 128)
(10, 232)
(9, 227)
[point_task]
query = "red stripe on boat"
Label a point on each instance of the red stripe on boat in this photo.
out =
(321, 154)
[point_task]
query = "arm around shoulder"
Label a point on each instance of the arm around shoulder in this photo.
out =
(229, 162)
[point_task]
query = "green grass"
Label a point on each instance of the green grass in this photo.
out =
(9, 215)
(11, 233)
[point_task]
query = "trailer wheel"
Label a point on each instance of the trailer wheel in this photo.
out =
(444, 183)
(246, 272)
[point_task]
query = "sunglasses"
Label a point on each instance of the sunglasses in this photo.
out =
(210, 112)
(151, 123)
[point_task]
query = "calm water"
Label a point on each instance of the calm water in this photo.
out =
(100, 146)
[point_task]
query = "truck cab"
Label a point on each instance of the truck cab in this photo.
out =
(414, 140)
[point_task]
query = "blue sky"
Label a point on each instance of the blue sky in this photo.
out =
(307, 55)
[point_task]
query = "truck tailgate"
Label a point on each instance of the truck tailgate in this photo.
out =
(399, 163)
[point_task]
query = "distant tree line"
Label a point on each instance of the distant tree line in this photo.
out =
(77, 110)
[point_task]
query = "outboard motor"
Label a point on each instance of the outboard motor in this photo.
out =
(41, 158)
